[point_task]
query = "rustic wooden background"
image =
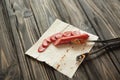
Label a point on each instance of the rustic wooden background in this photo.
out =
(22, 22)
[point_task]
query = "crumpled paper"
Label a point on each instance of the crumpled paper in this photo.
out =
(63, 57)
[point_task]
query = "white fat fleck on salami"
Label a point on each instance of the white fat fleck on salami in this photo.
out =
(63, 57)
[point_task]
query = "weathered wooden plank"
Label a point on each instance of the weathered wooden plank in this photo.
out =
(106, 23)
(45, 13)
(26, 32)
(17, 43)
(9, 64)
(71, 12)
(39, 70)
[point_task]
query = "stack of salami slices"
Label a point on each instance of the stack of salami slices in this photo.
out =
(74, 37)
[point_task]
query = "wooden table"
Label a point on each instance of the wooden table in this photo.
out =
(22, 22)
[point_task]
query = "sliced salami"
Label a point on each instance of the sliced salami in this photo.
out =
(48, 40)
(45, 43)
(41, 49)
(58, 35)
(75, 33)
(53, 38)
(67, 33)
(74, 37)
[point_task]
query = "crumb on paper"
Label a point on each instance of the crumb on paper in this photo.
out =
(67, 50)
(63, 57)
(72, 47)
(58, 65)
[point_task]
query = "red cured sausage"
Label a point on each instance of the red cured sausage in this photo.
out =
(76, 33)
(48, 40)
(67, 33)
(69, 39)
(58, 35)
(45, 43)
(63, 38)
(60, 41)
(82, 36)
(41, 49)
(53, 38)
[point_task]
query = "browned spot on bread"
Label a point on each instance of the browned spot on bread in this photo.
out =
(57, 66)
(72, 47)
(67, 50)
(63, 57)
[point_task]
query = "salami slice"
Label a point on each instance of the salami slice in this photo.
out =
(48, 40)
(41, 49)
(45, 43)
(67, 33)
(53, 38)
(58, 35)
(76, 33)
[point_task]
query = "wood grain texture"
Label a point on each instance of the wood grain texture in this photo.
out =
(22, 22)
(9, 64)
(106, 24)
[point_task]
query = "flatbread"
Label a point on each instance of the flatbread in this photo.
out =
(63, 57)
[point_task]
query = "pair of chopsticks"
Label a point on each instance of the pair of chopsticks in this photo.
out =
(107, 43)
